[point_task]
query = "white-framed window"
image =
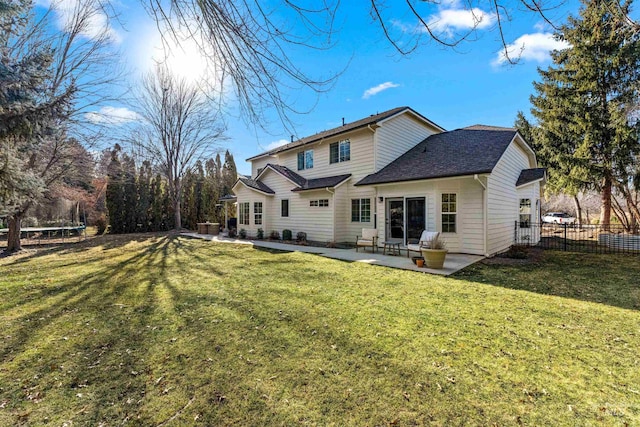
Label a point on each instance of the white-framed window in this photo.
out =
(243, 213)
(257, 213)
(284, 208)
(305, 159)
(449, 212)
(340, 151)
(322, 203)
(360, 210)
(525, 213)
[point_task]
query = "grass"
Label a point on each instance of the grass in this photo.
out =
(162, 330)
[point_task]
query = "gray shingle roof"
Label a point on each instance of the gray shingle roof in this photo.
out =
(227, 198)
(256, 185)
(460, 152)
(530, 175)
(374, 118)
(287, 173)
(307, 184)
(329, 181)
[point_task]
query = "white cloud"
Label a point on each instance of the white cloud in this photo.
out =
(541, 26)
(97, 20)
(276, 144)
(531, 47)
(448, 20)
(377, 89)
(112, 115)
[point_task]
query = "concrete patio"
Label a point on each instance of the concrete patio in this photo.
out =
(453, 262)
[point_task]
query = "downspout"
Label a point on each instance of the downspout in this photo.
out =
(375, 169)
(333, 213)
(484, 213)
(375, 148)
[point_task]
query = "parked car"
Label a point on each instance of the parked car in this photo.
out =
(558, 218)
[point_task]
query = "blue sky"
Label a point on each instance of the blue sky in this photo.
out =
(452, 87)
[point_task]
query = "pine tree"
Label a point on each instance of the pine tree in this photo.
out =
(584, 100)
(25, 114)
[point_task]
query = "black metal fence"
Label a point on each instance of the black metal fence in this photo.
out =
(594, 238)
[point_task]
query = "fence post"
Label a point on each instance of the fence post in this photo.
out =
(515, 233)
(565, 237)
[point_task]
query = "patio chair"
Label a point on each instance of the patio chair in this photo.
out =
(367, 239)
(425, 242)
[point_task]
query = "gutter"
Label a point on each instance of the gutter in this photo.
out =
(375, 147)
(484, 213)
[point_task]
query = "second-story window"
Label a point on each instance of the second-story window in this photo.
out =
(305, 159)
(340, 151)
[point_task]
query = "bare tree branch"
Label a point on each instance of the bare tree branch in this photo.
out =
(179, 125)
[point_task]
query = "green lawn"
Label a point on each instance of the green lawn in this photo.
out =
(158, 330)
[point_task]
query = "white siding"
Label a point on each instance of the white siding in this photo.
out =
(360, 165)
(502, 198)
(349, 230)
(394, 137)
(317, 222)
(469, 236)
(246, 195)
(398, 135)
(258, 164)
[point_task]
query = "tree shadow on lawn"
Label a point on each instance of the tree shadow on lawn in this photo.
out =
(610, 279)
(88, 335)
(107, 242)
(94, 331)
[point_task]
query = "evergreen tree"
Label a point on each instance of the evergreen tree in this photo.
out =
(229, 173)
(210, 193)
(584, 100)
(26, 116)
(115, 192)
(188, 205)
(144, 190)
(130, 194)
(158, 196)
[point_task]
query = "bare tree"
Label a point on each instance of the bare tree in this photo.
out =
(71, 76)
(251, 42)
(179, 125)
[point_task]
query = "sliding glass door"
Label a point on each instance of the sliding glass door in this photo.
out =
(395, 220)
(405, 219)
(416, 218)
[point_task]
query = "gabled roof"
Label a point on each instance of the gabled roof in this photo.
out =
(329, 181)
(303, 184)
(255, 185)
(285, 172)
(530, 175)
(467, 151)
(347, 127)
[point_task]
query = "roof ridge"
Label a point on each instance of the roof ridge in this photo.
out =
(346, 127)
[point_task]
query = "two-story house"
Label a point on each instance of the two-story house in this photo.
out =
(400, 173)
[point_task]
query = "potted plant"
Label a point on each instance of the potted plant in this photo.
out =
(435, 254)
